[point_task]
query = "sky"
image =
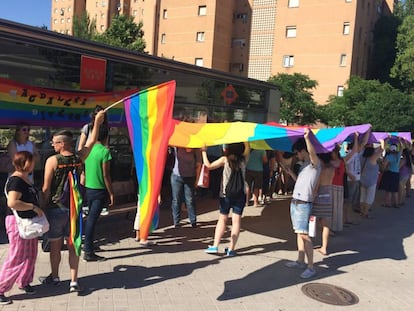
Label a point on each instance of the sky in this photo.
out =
(29, 12)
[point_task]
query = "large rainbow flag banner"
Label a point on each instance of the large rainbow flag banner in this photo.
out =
(149, 120)
(383, 135)
(49, 107)
(197, 135)
(261, 136)
(75, 212)
(269, 136)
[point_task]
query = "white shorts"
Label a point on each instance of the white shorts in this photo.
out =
(367, 194)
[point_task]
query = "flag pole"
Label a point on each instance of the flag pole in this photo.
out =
(118, 102)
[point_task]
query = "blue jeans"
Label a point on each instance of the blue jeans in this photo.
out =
(96, 201)
(299, 214)
(183, 190)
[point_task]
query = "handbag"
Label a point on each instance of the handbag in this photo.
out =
(204, 178)
(31, 228)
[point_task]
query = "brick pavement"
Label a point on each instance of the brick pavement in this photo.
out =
(372, 259)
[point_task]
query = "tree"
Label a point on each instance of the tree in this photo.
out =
(124, 33)
(403, 68)
(385, 36)
(84, 27)
(369, 101)
(297, 105)
(404, 8)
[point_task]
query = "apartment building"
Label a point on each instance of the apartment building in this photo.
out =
(63, 12)
(328, 40)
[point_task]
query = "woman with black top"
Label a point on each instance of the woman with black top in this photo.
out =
(19, 264)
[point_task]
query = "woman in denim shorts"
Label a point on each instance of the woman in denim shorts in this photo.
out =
(234, 158)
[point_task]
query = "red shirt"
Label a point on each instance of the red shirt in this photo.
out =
(338, 179)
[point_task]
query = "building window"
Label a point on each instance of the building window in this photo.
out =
(237, 67)
(241, 16)
(342, 61)
(55, 21)
(202, 10)
(62, 21)
(340, 90)
(293, 3)
(56, 10)
(163, 38)
(291, 32)
(200, 36)
(238, 42)
(165, 14)
(288, 61)
(102, 27)
(199, 62)
(102, 15)
(68, 20)
(69, 9)
(134, 13)
(346, 28)
(348, 1)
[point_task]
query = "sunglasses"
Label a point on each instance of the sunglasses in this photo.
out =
(25, 129)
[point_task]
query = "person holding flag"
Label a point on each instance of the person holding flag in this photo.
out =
(64, 217)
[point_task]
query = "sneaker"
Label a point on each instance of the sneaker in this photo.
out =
(229, 252)
(212, 250)
(308, 273)
(5, 300)
(93, 257)
(295, 264)
(74, 287)
(104, 211)
(49, 280)
(85, 210)
(28, 289)
(194, 225)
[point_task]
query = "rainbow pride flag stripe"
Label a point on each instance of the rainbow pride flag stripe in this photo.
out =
(75, 213)
(149, 120)
(49, 107)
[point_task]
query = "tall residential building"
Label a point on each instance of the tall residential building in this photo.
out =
(63, 12)
(210, 33)
(328, 40)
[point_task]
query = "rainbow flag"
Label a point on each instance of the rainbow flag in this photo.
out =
(393, 135)
(75, 212)
(149, 119)
(49, 107)
(269, 136)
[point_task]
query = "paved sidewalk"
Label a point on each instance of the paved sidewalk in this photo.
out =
(372, 260)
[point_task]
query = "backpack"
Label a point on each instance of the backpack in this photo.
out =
(235, 186)
(70, 184)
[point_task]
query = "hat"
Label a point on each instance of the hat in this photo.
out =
(393, 148)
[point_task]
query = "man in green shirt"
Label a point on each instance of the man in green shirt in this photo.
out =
(98, 189)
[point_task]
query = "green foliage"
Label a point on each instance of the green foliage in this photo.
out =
(369, 101)
(404, 8)
(385, 36)
(297, 105)
(403, 68)
(124, 33)
(84, 27)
